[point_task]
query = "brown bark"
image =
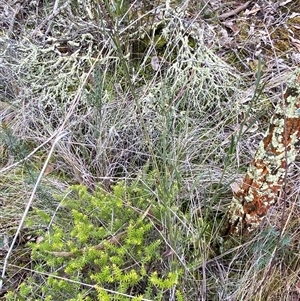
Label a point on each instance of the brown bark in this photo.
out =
(266, 173)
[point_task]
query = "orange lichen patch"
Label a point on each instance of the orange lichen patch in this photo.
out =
(266, 173)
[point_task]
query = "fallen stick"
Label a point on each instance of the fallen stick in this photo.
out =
(234, 11)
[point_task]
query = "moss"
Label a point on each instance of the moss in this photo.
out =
(280, 38)
(294, 21)
(244, 30)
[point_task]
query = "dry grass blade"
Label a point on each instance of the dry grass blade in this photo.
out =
(29, 204)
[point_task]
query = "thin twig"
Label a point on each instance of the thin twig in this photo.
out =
(50, 17)
(54, 13)
(13, 19)
(29, 155)
(60, 133)
(113, 240)
(28, 206)
(235, 11)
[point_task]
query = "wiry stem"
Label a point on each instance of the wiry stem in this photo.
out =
(28, 206)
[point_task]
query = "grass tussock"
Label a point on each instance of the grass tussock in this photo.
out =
(147, 97)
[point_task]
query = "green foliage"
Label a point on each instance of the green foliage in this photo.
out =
(106, 248)
(15, 146)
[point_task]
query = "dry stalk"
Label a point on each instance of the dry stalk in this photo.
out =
(28, 206)
(114, 240)
(234, 11)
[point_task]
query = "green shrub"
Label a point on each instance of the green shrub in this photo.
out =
(100, 246)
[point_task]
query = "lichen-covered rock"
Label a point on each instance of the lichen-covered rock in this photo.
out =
(266, 173)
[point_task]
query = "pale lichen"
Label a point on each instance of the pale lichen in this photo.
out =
(266, 173)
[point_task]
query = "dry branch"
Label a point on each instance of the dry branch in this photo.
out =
(234, 11)
(113, 240)
(266, 173)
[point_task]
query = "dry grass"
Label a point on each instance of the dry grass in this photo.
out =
(193, 118)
